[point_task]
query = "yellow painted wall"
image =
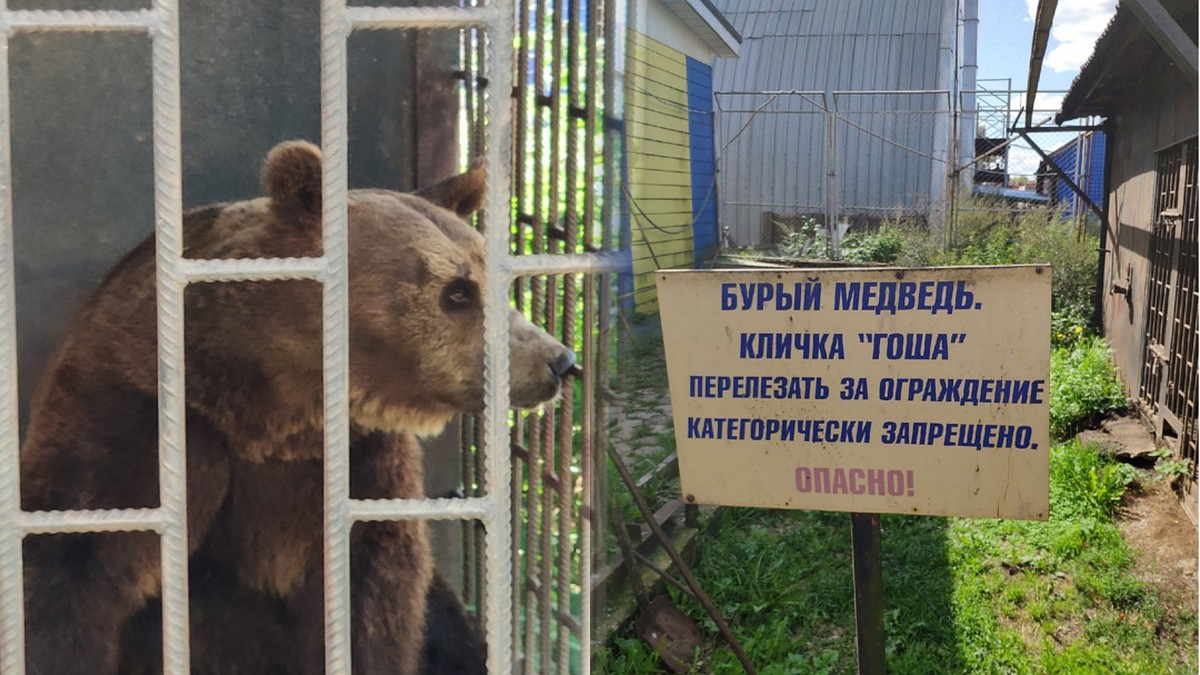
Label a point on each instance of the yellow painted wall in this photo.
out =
(658, 162)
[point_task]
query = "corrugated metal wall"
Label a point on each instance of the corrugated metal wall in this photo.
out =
(890, 149)
(1083, 160)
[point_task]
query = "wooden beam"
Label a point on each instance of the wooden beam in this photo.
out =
(1168, 33)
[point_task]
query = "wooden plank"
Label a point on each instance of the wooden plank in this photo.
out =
(1169, 35)
(642, 46)
(654, 147)
(669, 224)
(660, 75)
(659, 163)
(640, 127)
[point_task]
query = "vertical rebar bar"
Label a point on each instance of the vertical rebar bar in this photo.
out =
(170, 283)
(12, 590)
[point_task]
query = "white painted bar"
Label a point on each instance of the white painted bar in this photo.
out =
(172, 404)
(335, 30)
(432, 509)
(385, 18)
(12, 577)
(498, 573)
(253, 269)
(564, 263)
(80, 21)
(98, 520)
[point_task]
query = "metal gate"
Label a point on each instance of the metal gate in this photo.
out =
(792, 157)
(558, 236)
(1168, 381)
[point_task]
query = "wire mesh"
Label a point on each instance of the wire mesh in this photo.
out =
(790, 159)
(787, 157)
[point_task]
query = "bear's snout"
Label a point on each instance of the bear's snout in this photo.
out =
(539, 364)
(564, 364)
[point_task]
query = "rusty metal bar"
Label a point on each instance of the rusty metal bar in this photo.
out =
(868, 593)
(1062, 175)
(684, 571)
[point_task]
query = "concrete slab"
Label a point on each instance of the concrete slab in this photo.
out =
(1126, 438)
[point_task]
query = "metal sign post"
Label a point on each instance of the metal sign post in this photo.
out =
(868, 592)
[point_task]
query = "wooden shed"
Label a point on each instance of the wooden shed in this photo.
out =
(671, 200)
(1142, 79)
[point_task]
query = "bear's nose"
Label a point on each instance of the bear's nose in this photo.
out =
(564, 364)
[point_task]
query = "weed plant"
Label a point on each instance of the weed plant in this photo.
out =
(986, 234)
(1083, 386)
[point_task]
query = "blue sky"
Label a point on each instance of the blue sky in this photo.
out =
(1005, 38)
(1006, 34)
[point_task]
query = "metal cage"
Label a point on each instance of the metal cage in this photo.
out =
(556, 232)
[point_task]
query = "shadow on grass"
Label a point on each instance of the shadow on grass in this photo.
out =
(784, 580)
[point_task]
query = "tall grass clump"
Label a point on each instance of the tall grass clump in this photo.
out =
(1083, 386)
(1084, 383)
(1085, 483)
(988, 233)
(988, 237)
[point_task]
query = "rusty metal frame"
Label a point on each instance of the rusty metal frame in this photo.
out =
(559, 214)
(1168, 381)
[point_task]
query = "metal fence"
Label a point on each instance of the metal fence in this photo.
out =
(549, 484)
(563, 208)
(1014, 169)
(789, 159)
(828, 156)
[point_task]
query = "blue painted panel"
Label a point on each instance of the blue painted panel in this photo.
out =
(626, 298)
(1088, 174)
(703, 154)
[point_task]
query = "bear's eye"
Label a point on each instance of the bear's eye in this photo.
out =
(459, 295)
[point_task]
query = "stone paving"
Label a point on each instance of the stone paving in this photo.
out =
(637, 420)
(640, 412)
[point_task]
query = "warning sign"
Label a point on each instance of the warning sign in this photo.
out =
(866, 390)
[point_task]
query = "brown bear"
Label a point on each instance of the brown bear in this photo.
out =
(254, 431)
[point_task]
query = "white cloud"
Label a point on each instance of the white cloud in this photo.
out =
(1077, 24)
(1045, 105)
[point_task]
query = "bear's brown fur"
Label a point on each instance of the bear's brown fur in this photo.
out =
(254, 421)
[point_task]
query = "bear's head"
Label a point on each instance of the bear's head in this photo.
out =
(416, 271)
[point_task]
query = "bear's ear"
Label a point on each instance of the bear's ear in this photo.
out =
(462, 194)
(292, 180)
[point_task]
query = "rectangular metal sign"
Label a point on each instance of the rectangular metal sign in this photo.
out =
(877, 390)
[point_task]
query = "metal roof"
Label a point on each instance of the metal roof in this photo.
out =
(849, 44)
(706, 21)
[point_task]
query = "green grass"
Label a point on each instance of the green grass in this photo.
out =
(962, 595)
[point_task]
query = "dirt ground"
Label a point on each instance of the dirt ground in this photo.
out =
(1155, 525)
(1151, 518)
